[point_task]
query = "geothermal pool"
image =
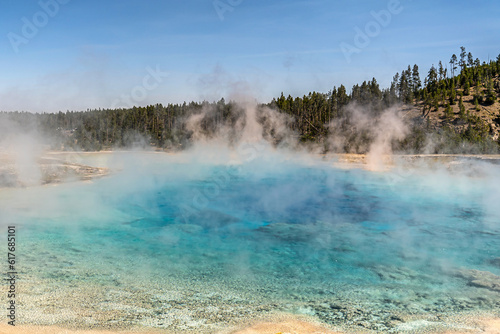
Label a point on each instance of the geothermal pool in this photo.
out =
(190, 244)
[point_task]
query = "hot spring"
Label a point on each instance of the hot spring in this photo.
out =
(190, 242)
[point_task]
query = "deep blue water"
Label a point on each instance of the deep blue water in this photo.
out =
(296, 234)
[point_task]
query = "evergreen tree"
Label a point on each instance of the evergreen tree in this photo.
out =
(476, 103)
(404, 89)
(395, 83)
(431, 79)
(440, 71)
(461, 108)
(467, 88)
(490, 95)
(453, 61)
(470, 60)
(453, 94)
(417, 84)
(463, 60)
(448, 113)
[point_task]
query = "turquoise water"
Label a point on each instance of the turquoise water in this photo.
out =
(354, 248)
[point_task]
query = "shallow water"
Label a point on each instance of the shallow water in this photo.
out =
(197, 245)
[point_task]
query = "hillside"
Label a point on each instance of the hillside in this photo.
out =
(448, 113)
(489, 114)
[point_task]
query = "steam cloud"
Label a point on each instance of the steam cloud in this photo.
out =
(20, 151)
(256, 142)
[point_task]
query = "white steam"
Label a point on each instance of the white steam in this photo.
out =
(388, 127)
(20, 152)
(361, 130)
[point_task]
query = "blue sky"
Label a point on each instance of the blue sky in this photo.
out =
(90, 54)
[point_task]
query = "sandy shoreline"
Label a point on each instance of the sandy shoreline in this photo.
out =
(55, 167)
(278, 324)
(349, 160)
(282, 324)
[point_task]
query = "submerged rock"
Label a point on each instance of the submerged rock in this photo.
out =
(185, 228)
(209, 219)
(289, 232)
(495, 262)
(395, 273)
(480, 279)
(353, 316)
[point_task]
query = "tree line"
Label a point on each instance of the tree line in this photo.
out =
(313, 117)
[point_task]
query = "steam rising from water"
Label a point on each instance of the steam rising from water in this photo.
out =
(19, 152)
(240, 226)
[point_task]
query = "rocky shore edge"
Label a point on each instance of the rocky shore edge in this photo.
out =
(46, 170)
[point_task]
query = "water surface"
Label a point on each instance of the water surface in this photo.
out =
(169, 243)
